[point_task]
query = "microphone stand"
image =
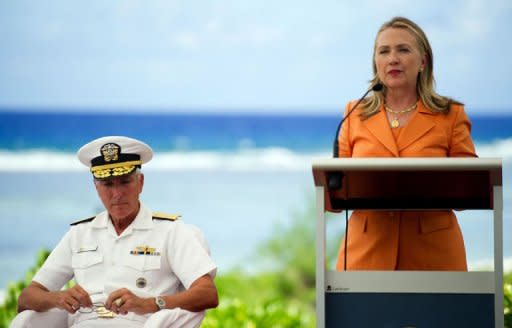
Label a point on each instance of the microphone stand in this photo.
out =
(335, 179)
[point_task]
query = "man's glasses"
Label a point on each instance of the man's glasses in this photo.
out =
(100, 309)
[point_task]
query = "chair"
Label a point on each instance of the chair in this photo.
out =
(55, 318)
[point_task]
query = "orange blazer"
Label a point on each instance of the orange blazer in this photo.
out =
(408, 240)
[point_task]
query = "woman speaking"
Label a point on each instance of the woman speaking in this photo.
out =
(406, 119)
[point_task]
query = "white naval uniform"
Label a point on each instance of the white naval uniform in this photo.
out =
(101, 261)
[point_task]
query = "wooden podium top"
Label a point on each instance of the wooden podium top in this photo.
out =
(408, 183)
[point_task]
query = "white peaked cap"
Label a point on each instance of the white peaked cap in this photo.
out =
(114, 156)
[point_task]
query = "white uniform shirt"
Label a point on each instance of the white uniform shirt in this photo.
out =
(101, 261)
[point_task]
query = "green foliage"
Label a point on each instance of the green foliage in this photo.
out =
(291, 252)
(507, 278)
(282, 297)
(507, 300)
(252, 289)
(234, 313)
(8, 310)
(256, 301)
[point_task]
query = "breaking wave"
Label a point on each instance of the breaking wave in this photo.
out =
(248, 159)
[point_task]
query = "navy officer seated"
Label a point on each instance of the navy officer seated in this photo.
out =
(131, 266)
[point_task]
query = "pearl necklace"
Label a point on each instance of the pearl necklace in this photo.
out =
(395, 123)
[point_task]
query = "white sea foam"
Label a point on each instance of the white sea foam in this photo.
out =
(38, 160)
(498, 148)
(268, 159)
(243, 160)
(488, 264)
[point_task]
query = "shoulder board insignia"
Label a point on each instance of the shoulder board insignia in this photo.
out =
(165, 216)
(83, 221)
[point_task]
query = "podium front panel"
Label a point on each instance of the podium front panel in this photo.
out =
(412, 190)
(418, 310)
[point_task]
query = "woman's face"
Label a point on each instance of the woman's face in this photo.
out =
(398, 58)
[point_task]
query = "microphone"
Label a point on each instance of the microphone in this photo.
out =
(335, 178)
(377, 87)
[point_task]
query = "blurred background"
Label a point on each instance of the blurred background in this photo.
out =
(236, 98)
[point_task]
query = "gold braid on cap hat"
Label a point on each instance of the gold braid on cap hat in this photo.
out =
(112, 162)
(115, 165)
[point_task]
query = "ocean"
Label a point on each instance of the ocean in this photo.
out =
(236, 176)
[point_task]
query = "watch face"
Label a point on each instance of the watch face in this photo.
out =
(160, 302)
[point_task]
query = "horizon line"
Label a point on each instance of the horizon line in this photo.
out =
(319, 110)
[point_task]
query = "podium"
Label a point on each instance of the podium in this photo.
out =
(408, 298)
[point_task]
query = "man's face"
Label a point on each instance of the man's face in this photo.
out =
(120, 195)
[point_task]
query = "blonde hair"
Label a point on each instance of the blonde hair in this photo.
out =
(425, 82)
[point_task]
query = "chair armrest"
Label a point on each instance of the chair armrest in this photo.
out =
(55, 318)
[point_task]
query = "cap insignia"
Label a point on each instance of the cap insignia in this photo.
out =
(110, 152)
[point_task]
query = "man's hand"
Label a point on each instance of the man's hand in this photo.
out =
(201, 295)
(72, 299)
(122, 301)
(37, 297)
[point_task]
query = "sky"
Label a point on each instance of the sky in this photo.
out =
(238, 56)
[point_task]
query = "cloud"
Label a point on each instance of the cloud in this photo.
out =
(242, 54)
(185, 40)
(222, 33)
(472, 22)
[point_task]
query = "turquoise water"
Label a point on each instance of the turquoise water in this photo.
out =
(234, 176)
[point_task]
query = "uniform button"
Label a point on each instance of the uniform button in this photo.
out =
(141, 282)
